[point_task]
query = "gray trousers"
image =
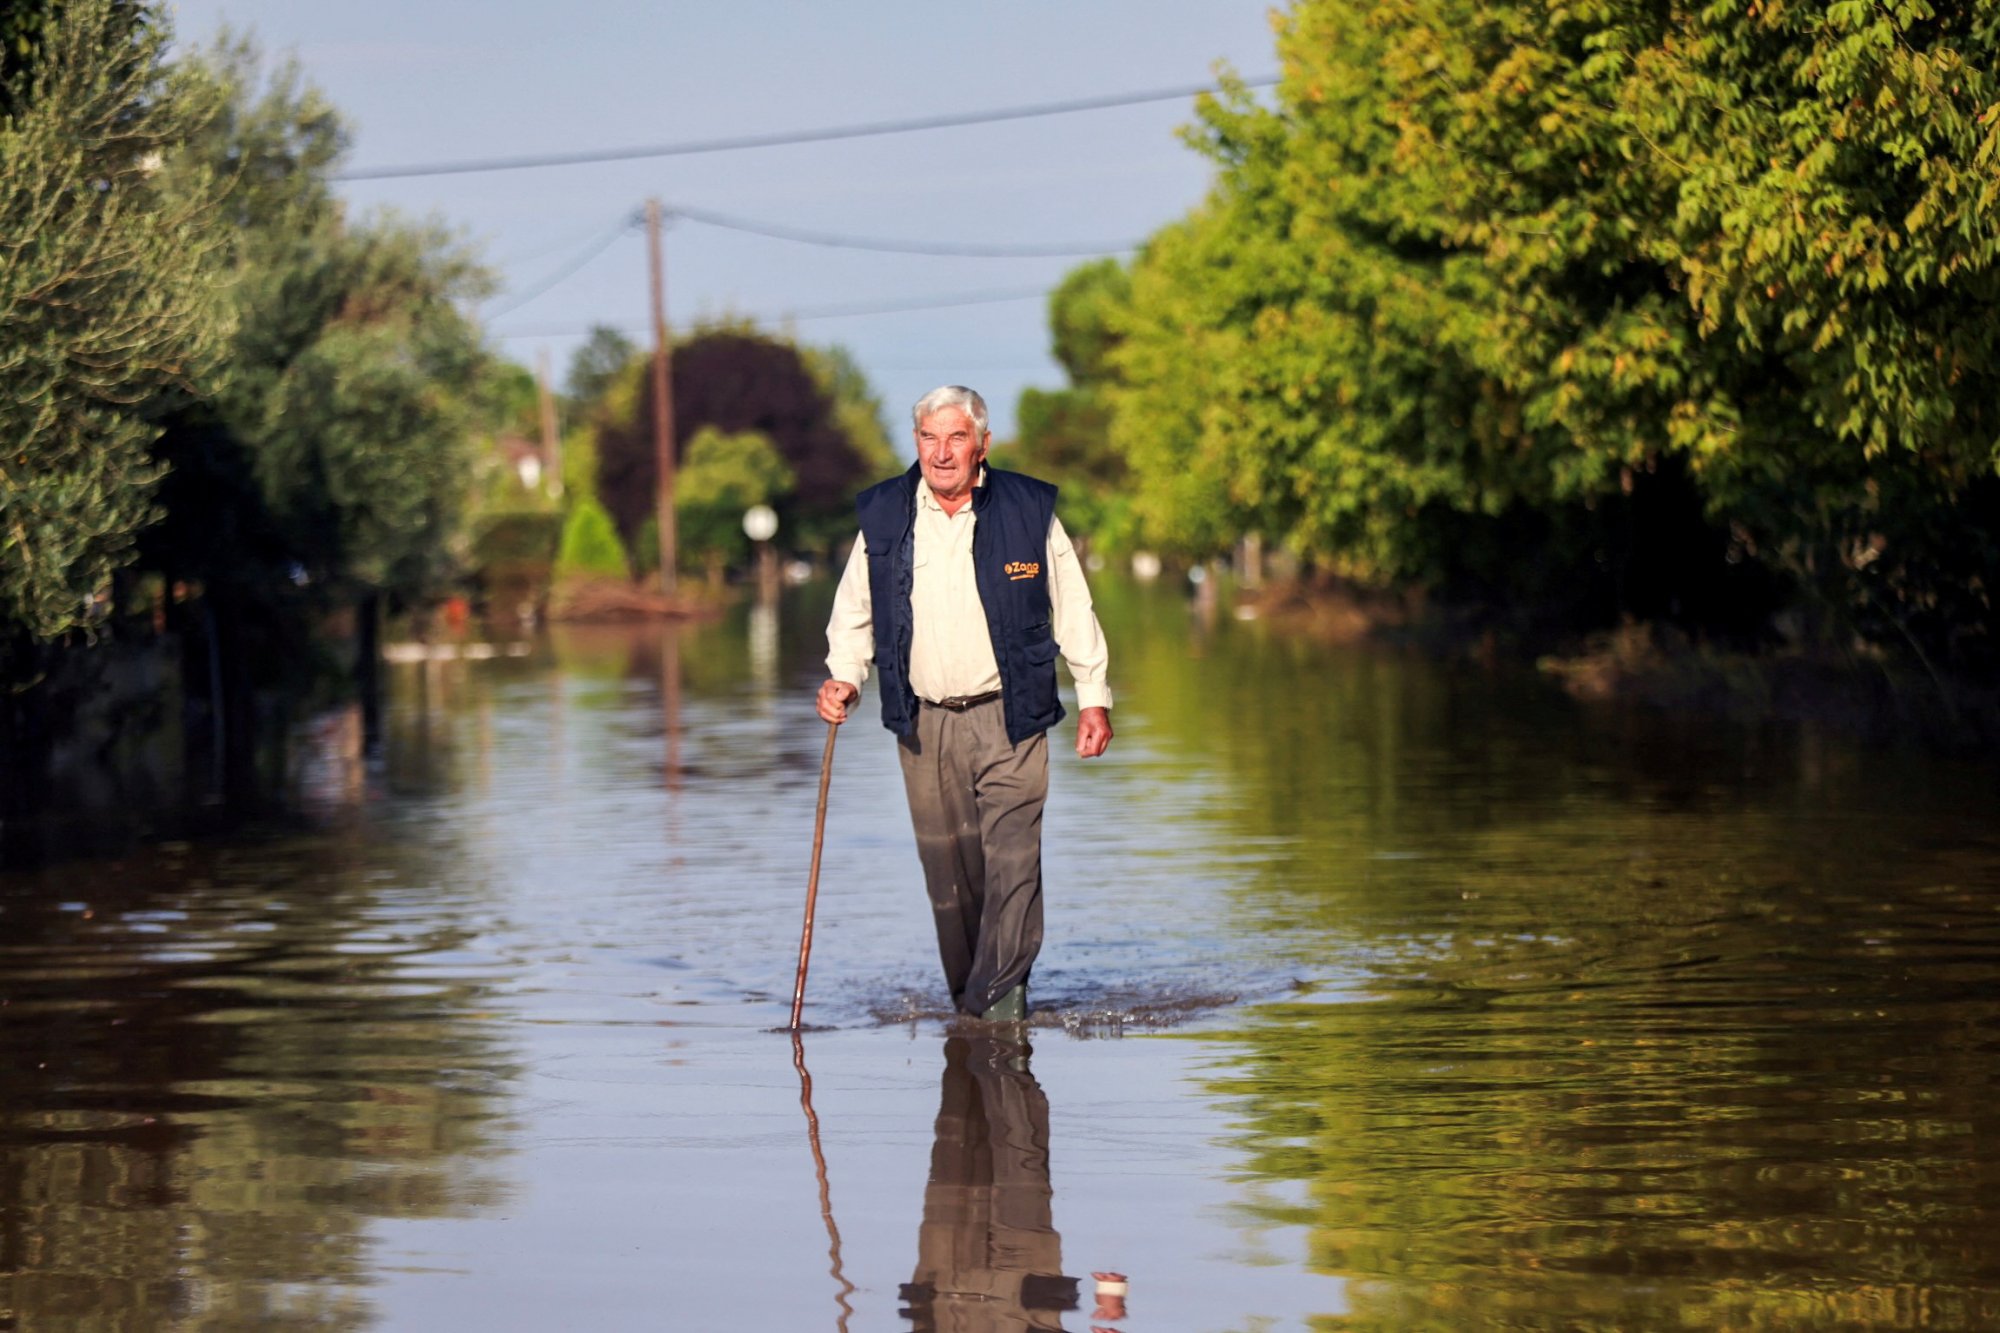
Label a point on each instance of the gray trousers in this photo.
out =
(976, 804)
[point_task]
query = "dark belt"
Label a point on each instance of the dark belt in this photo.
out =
(958, 703)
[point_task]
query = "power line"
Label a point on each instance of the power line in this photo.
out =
(840, 240)
(902, 307)
(847, 241)
(868, 129)
(599, 244)
(590, 252)
(843, 311)
(574, 237)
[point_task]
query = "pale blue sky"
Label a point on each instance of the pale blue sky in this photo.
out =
(429, 80)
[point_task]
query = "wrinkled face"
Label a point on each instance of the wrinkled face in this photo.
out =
(950, 449)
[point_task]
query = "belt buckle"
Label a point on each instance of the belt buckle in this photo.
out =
(958, 703)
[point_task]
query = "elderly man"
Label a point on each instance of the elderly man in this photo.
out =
(961, 591)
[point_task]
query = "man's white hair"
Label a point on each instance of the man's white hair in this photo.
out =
(948, 396)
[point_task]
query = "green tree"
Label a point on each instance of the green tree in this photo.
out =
(857, 408)
(818, 414)
(110, 302)
(1836, 234)
(22, 27)
(1064, 435)
(594, 365)
(1483, 260)
(1287, 365)
(25, 26)
(723, 476)
(590, 546)
(515, 399)
(343, 429)
(1085, 313)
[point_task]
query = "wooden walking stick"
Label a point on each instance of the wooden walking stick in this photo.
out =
(812, 880)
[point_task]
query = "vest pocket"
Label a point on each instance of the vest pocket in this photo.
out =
(1038, 690)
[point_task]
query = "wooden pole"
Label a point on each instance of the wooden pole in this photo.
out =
(663, 404)
(551, 438)
(812, 880)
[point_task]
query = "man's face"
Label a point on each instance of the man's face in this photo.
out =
(950, 449)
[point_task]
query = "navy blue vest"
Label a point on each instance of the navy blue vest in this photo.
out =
(1010, 543)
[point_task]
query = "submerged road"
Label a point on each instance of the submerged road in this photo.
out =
(1377, 993)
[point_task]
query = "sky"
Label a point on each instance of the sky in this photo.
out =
(425, 81)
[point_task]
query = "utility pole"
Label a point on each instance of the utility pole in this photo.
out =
(663, 401)
(551, 438)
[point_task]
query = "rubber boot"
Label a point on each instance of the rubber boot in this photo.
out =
(1009, 1008)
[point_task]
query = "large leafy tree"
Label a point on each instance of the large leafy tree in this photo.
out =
(22, 25)
(595, 364)
(1064, 435)
(338, 444)
(812, 407)
(1836, 231)
(857, 408)
(25, 28)
(110, 300)
(724, 476)
(1483, 259)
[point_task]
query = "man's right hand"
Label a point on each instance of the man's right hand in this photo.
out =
(833, 699)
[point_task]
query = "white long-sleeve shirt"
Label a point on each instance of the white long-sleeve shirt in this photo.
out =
(951, 651)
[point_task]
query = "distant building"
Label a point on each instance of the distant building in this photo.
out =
(524, 456)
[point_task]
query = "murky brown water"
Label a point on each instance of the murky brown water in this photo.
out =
(1378, 996)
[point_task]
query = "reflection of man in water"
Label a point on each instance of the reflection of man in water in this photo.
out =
(988, 1256)
(961, 593)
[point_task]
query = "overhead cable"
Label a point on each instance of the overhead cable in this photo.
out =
(959, 249)
(903, 307)
(801, 313)
(563, 244)
(866, 129)
(515, 300)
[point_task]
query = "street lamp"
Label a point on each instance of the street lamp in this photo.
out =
(760, 524)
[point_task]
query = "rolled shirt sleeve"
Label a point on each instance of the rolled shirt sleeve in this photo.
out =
(1074, 622)
(850, 630)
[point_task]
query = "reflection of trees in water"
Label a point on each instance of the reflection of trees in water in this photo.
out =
(1475, 1155)
(219, 1066)
(988, 1255)
(1661, 1023)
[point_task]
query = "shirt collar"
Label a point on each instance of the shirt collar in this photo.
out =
(925, 500)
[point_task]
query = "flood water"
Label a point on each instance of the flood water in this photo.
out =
(1378, 995)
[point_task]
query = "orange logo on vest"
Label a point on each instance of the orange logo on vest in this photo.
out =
(1023, 569)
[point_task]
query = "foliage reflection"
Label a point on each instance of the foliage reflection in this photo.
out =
(1609, 1020)
(219, 1067)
